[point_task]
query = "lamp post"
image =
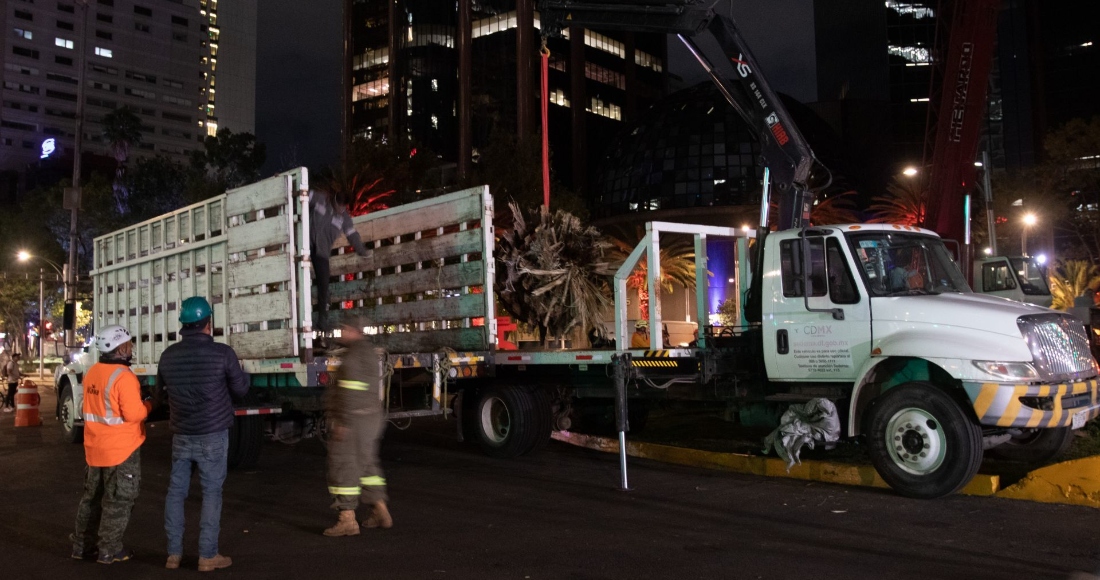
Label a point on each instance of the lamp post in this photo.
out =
(25, 256)
(1029, 220)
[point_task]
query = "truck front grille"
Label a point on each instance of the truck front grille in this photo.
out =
(1059, 346)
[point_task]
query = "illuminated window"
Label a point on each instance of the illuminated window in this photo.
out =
(915, 10)
(370, 90)
(63, 43)
(557, 97)
(605, 76)
(647, 60)
(23, 33)
(104, 52)
(609, 110)
(917, 54)
(371, 58)
(604, 43)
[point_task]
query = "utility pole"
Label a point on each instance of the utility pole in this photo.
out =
(72, 197)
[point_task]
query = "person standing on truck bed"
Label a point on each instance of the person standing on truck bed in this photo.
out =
(114, 429)
(201, 378)
(328, 218)
(353, 404)
(640, 338)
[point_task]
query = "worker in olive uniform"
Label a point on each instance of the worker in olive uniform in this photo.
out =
(354, 407)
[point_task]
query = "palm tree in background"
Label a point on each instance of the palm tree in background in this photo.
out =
(122, 131)
(905, 203)
(677, 263)
(839, 208)
(363, 193)
(1070, 279)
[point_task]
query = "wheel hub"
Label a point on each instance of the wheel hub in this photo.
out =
(496, 422)
(915, 441)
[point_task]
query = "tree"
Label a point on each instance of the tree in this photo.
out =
(904, 204)
(677, 262)
(839, 208)
(122, 131)
(157, 185)
(1070, 279)
(376, 174)
(227, 160)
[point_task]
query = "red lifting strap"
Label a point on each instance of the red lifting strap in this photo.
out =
(545, 128)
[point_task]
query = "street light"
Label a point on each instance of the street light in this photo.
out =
(25, 256)
(1029, 220)
(909, 171)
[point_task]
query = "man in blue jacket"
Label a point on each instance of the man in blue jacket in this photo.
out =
(201, 378)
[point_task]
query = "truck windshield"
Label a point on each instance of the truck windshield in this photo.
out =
(900, 264)
(1032, 279)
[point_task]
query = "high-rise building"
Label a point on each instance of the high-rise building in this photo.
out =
(231, 87)
(148, 56)
(405, 55)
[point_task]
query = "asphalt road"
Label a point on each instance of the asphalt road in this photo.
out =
(556, 515)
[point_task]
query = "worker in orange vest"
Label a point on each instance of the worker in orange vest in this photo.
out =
(114, 429)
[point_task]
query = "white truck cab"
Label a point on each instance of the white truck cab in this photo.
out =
(937, 372)
(1021, 278)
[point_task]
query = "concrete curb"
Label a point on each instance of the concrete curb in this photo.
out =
(823, 471)
(1075, 482)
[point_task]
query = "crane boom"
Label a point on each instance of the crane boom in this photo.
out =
(715, 42)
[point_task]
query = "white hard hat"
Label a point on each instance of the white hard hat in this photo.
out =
(108, 339)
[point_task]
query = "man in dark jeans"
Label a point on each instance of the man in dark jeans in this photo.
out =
(328, 220)
(201, 378)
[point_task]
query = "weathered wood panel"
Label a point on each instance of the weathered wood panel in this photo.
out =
(445, 210)
(259, 307)
(412, 282)
(259, 234)
(445, 246)
(460, 339)
(263, 270)
(262, 343)
(468, 306)
(261, 195)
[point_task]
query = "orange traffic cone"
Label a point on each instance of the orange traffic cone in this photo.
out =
(26, 405)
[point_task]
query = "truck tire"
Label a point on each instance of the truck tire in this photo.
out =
(66, 416)
(246, 438)
(511, 421)
(1035, 447)
(921, 442)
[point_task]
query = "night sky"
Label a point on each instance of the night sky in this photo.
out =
(299, 58)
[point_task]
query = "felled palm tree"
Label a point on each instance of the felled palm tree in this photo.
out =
(1070, 279)
(122, 131)
(905, 203)
(552, 272)
(677, 263)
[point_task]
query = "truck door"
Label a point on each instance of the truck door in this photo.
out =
(830, 340)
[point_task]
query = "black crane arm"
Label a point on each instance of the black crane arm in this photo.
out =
(725, 56)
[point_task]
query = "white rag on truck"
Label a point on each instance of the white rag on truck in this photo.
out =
(802, 425)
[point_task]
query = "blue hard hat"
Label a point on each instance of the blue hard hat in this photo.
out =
(194, 309)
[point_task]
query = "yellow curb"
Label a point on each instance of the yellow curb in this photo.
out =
(1074, 482)
(823, 471)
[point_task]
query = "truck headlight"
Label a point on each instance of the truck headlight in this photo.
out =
(1011, 371)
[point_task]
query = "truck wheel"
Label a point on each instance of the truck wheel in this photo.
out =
(66, 414)
(921, 441)
(1035, 446)
(511, 421)
(246, 438)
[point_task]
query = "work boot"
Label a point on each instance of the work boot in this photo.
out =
(215, 563)
(83, 553)
(380, 517)
(345, 526)
(173, 561)
(120, 556)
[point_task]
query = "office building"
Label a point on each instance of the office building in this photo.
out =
(231, 86)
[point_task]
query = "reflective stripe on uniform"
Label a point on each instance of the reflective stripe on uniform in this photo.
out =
(354, 385)
(107, 395)
(343, 490)
(372, 480)
(89, 417)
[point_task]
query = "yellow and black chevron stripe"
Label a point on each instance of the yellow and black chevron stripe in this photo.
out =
(654, 363)
(1001, 405)
(655, 353)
